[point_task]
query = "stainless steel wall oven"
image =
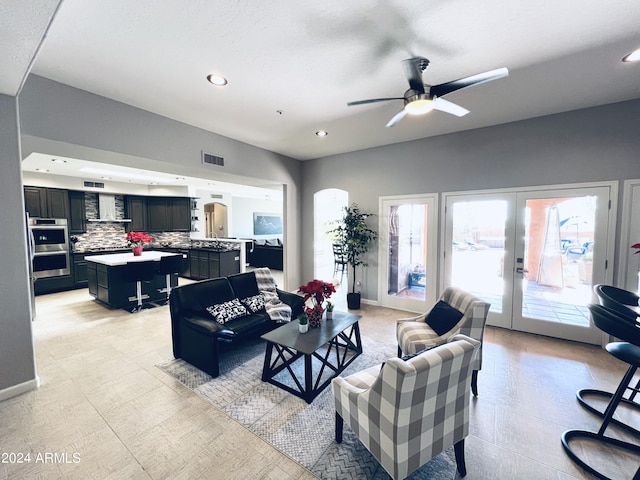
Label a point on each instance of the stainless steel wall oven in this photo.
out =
(51, 247)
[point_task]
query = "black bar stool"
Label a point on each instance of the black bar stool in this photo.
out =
(622, 301)
(168, 266)
(627, 351)
(140, 272)
(619, 300)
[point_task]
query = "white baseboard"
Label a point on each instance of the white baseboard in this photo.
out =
(375, 303)
(19, 389)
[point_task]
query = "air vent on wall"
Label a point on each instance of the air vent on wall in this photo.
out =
(217, 195)
(90, 184)
(210, 159)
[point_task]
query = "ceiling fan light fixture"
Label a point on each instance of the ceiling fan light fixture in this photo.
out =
(633, 56)
(419, 107)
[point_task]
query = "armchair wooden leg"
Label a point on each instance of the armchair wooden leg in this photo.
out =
(458, 448)
(474, 383)
(339, 426)
(399, 352)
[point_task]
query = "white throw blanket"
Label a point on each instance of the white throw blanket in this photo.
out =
(277, 310)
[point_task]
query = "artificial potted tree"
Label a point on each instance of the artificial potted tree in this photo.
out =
(355, 237)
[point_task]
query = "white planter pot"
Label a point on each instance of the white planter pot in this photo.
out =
(329, 315)
(303, 328)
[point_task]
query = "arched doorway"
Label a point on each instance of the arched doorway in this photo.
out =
(328, 206)
(216, 222)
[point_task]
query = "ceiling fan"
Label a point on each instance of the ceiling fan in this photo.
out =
(422, 98)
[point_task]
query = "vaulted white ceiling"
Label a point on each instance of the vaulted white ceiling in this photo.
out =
(308, 59)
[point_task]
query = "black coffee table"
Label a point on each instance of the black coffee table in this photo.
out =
(327, 351)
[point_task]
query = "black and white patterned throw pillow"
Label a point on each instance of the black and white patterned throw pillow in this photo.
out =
(224, 312)
(254, 303)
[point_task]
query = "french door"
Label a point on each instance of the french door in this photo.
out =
(407, 253)
(534, 255)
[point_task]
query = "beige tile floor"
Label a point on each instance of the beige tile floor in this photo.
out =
(103, 400)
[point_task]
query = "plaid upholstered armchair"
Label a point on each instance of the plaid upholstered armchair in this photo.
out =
(456, 312)
(407, 412)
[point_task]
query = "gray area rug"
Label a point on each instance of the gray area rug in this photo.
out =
(301, 431)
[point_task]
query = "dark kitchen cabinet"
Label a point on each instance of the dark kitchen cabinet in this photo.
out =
(186, 263)
(211, 264)
(185, 269)
(53, 284)
(229, 263)
(168, 214)
(109, 284)
(35, 200)
(180, 209)
(194, 265)
(92, 278)
(214, 265)
(77, 212)
(203, 265)
(158, 219)
(80, 272)
(58, 203)
(46, 202)
(136, 210)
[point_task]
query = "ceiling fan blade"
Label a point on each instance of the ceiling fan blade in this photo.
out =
(373, 100)
(449, 107)
(399, 116)
(448, 87)
(413, 68)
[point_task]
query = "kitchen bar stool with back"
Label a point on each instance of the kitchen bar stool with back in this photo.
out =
(622, 302)
(140, 272)
(168, 266)
(628, 351)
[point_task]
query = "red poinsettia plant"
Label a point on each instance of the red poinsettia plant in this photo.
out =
(315, 293)
(138, 239)
(637, 247)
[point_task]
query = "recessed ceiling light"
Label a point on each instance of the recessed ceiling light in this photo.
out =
(58, 160)
(633, 56)
(322, 133)
(217, 79)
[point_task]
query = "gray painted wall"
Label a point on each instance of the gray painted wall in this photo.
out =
(589, 145)
(17, 363)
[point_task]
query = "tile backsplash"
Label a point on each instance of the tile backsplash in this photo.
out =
(102, 235)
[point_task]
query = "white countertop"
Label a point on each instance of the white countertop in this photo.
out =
(115, 259)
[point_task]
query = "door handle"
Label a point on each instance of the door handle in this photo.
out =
(522, 270)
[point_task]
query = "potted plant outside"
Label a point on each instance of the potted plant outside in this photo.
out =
(355, 237)
(303, 321)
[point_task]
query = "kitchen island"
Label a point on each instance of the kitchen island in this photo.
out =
(107, 278)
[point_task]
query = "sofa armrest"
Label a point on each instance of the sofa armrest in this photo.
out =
(206, 325)
(294, 300)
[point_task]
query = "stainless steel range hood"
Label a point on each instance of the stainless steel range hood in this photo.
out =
(107, 209)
